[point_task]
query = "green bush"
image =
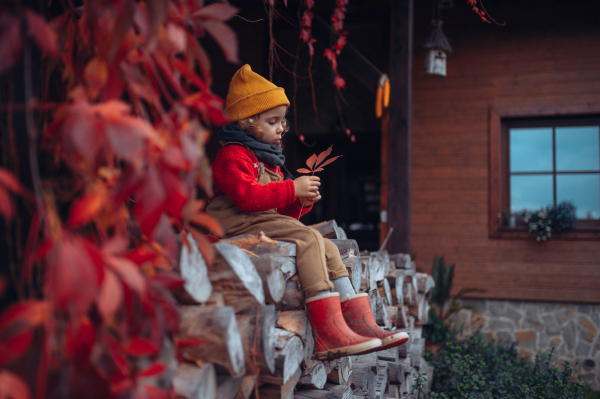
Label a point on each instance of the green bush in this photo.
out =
(473, 369)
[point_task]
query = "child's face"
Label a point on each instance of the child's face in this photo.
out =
(271, 123)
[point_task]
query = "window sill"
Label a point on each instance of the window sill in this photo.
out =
(520, 233)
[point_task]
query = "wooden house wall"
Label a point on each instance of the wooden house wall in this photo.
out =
(546, 55)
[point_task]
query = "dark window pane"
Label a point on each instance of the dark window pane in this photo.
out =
(530, 192)
(577, 148)
(583, 191)
(531, 150)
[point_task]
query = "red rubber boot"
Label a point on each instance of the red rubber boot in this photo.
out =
(333, 337)
(358, 316)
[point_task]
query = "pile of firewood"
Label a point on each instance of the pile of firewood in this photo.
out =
(246, 332)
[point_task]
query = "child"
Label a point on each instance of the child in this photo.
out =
(251, 196)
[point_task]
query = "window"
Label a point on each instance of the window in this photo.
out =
(541, 157)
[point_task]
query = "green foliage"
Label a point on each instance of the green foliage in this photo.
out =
(472, 368)
(437, 328)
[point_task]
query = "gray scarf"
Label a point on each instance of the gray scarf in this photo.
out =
(269, 154)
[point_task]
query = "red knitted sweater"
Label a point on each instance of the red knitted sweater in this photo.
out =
(235, 172)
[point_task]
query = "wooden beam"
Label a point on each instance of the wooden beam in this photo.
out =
(396, 143)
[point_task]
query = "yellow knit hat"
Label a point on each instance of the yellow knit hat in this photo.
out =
(250, 94)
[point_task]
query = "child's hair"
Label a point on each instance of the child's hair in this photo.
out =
(250, 125)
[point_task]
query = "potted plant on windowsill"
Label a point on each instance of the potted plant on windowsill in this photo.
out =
(551, 219)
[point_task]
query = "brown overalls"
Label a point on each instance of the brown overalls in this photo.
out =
(317, 259)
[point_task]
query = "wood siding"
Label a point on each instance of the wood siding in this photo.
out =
(554, 64)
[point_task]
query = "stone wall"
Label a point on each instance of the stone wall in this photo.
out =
(574, 329)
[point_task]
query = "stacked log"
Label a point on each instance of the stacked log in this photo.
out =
(244, 331)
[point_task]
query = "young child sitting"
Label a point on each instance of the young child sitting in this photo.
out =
(251, 196)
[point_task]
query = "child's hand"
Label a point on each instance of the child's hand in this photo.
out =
(307, 186)
(308, 201)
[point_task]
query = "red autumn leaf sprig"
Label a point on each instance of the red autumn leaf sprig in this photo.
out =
(337, 24)
(482, 12)
(316, 164)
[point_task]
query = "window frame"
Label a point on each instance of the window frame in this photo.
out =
(499, 168)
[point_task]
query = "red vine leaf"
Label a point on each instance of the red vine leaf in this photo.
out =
(12, 386)
(85, 208)
(140, 347)
(13, 347)
(96, 75)
(9, 181)
(42, 33)
(110, 296)
(330, 160)
(310, 162)
(319, 170)
(323, 155)
(154, 369)
(218, 11)
(6, 206)
(225, 38)
(303, 170)
(153, 392)
(188, 342)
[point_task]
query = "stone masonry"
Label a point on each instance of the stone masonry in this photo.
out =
(574, 329)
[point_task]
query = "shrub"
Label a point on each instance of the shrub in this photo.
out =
(472, 368)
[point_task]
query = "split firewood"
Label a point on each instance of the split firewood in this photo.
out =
(342, 373)
(393, 313)
(192, 381)
(388, 355)
(381, 379)
(227, 387)
(369, 359)
(216, 330)
(393, 392)
(285, 391)
(424, 283)
(194, 271)
(385, 291)
(364, 379)
(401, 261)
(257, 329)
(354, 268)
(296, 321)
(384, 258)
(272, 277)
(289, 353)
(328, 229)
(365, 278)
(373, 302)
(396, 280)
(382, 317)
(313, 376)
(417, 350)
(284, 253)
(293, 297)
(234, 275)
(347, 247)
(328, 392)
(395, 373)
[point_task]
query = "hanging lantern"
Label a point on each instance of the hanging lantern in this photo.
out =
(438, 49)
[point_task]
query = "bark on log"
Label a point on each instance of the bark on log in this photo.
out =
(313, 376)
(228, 387)
(193, 382)
(365, 278)
(257, 329)
(272, 277)
(285, 391)
(354, 268)
(293, 297)
(401, 261)
(194, 271)
(234, 275)
(346, 247)
(218, 328)
(283, 252)
(384, 258)
(289, 353)
(328, 229)
(247, 387)
(342, 373)
(396, 280)
(296, 321)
